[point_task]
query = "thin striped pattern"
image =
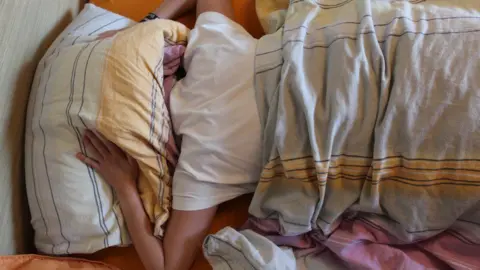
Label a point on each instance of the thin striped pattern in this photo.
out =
(40, 197)
(421, 174)
(81, 26)
(46, 166)
(110, 23)
(33, 165)
(78, 134)
(95, 181)
(42, 214)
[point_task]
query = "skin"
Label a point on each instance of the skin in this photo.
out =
(186, 229)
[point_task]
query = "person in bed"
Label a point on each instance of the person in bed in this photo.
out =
(194, 203)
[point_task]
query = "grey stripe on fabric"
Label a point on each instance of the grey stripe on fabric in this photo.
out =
(91, 172)
(404, 181)
(468, 221)
(354, 38)
(46, 166)
(33, 165)
(462, 238)
(221, 258)
(79, 139)
(382, 24)
(120, 226)
(95, 181)
(374, 159)
(160, 195)
(110, 23)
(231, 246)
(153, 103)
(90, 20)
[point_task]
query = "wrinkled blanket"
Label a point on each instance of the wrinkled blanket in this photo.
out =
(370, 114)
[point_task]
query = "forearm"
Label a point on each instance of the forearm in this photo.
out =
(148, 247)
(184, 237)
(170, 9)
(224, 7)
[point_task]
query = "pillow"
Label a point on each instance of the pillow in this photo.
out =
(113, 85)
(214, 110)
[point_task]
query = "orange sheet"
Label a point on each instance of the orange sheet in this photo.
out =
(35, 262)
(233, 213)
(245, 13)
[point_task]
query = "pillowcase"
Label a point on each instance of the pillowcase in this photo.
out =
(214, 110)
(113, 85)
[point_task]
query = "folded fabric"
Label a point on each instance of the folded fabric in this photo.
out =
(214, 110)
(115, 86)
(229, 249)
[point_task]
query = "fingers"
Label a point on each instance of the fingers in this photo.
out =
(97, 143)
(88, 161)
(131, 160)
(112, 148)
(91, 150)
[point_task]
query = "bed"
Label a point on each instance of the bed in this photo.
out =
(367, 202)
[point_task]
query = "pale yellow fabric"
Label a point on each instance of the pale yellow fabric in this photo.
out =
(270, 13)
(134, 118)
(27, 29)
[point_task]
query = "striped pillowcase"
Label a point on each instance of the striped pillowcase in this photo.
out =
(113, 85)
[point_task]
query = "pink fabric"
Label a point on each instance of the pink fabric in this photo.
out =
(172, 60)
(360, 243)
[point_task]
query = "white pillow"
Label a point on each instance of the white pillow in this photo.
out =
(214, 110)
(72, 210)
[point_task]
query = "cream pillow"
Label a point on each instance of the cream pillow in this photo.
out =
(113, 85)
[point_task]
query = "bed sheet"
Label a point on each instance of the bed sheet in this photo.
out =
(233, 213)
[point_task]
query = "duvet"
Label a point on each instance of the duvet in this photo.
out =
(371, 139)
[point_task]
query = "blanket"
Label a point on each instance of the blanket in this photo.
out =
(371, 139)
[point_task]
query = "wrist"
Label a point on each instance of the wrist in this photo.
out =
(126, 191)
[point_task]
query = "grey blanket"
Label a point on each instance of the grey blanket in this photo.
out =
(370, 109)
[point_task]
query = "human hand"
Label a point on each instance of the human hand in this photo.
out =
(116, 167)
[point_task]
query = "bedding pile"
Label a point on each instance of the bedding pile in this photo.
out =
(120, 87)
(371, 139)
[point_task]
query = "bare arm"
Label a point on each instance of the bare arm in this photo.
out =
(149, 248)
(121, 171)
(184, 237)
(171, 9)
(185, 230)
(224, 7)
